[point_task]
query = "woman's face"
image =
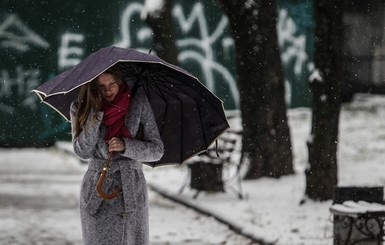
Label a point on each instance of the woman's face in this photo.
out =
(108, 86)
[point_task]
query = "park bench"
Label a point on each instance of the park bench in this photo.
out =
(217, 169)
(358, 221)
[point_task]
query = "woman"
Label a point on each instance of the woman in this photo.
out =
(105, 119)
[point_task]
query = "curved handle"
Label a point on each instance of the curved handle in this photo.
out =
(99, 185)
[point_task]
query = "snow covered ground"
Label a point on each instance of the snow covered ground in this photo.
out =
(39, 205)
(39, 188)
(271, 210)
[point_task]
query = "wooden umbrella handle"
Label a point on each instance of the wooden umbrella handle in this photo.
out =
(99, 185)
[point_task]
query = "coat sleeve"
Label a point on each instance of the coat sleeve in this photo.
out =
(148, 148)
(84, 144)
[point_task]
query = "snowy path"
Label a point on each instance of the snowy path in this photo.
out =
(39, 197)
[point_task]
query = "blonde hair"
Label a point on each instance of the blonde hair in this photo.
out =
(90, 99)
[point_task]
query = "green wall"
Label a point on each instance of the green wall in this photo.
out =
(39, 39)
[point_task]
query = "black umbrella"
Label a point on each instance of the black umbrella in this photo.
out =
(189, 117)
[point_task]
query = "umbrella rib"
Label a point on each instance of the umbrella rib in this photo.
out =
(173, 88)
(146, 88)
(154, 80)
(158, 92)
(161, 89)
(161, 96)
(199, 110)
(152, 73)
(171, 92)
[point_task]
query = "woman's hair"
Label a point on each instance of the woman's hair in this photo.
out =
(90, 99)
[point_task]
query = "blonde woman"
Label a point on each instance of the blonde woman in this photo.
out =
(107, 119)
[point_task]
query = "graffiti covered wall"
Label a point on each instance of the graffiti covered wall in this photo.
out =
(38, 40)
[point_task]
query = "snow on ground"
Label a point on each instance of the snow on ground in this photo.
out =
(271, 210)
(39, 188)
(39, 205)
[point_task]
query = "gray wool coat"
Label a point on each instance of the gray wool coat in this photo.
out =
(124, 219)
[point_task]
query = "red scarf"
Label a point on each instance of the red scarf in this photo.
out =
(114, 113)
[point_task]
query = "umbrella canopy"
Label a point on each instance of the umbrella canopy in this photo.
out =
(189, 117)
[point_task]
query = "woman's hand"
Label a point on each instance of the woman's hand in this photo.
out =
(116, 144)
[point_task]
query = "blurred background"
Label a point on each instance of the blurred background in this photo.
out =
(39, 39)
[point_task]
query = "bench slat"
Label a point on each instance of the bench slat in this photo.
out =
(354, 209)
(344, 210)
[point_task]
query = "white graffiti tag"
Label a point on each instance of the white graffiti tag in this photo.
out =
(15, 34)
(199, 48)
(204, 42)
(127, 18)
(296, 44)
(70, 55)
(20, 86)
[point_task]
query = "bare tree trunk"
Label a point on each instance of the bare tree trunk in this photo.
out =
(266, 141)
(164, 37)
(321, 176)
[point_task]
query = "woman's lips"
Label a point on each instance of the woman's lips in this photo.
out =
(109, 97)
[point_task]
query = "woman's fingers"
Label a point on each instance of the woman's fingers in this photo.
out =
(115, 144)
(112, 140)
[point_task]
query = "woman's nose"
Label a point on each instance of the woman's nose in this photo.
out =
(107, 88)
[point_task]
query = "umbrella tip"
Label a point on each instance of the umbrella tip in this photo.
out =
(149, 51)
